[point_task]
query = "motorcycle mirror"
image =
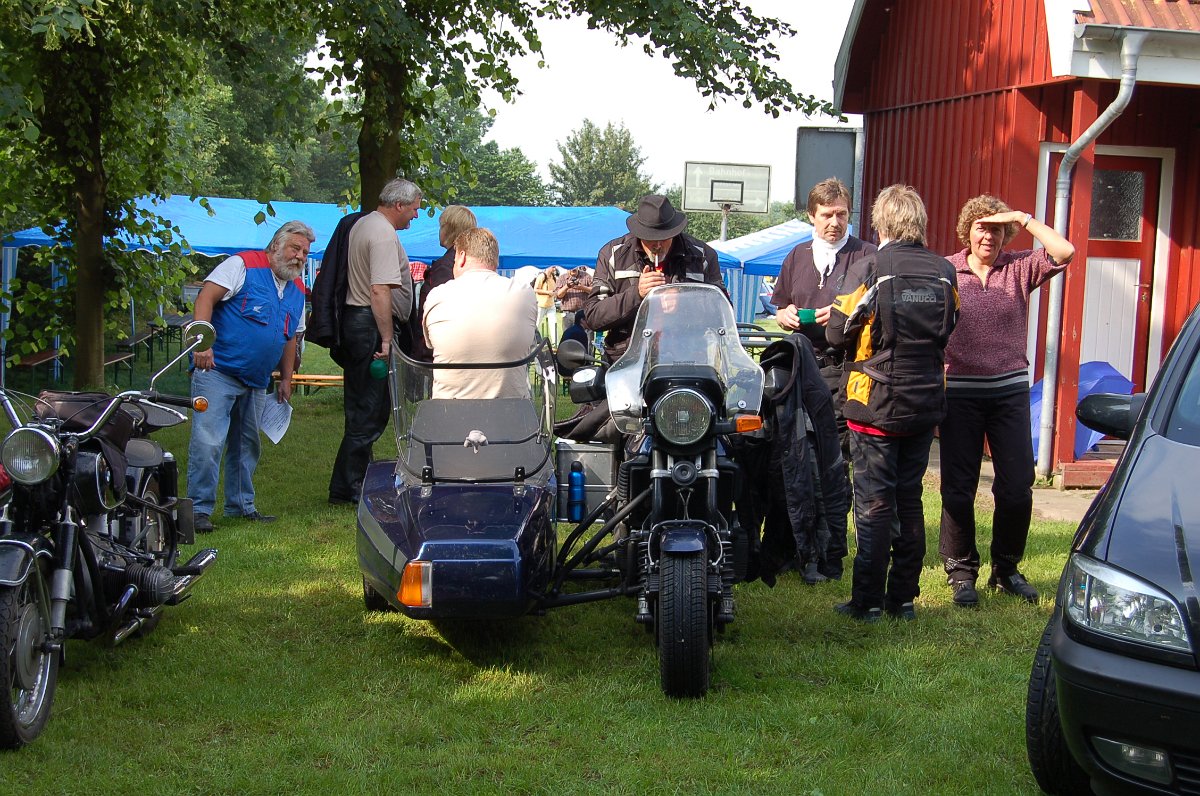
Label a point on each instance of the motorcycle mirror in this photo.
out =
(203, 333)
(197, 336)
(572, 355)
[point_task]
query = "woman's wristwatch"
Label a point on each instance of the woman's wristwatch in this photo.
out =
(1028, 218)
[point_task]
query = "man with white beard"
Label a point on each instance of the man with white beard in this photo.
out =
(258, 310)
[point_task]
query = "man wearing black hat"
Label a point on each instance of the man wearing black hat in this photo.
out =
(656, 251)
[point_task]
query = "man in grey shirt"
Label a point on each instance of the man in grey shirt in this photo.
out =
(377, 266)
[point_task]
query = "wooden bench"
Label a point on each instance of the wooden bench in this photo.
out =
(310, 381)
(120, 358)
(131, 343)
(170, 329)
(31, 361)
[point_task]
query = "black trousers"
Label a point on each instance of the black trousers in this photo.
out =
(889, 521)
(1004, 423)
(837, 549)
(365, 402)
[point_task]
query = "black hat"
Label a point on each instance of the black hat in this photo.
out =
(656, 219)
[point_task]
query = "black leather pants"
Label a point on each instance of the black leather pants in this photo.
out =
(365, 401)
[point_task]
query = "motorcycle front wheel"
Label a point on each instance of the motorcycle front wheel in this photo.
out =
(28, 670)
(684, 640)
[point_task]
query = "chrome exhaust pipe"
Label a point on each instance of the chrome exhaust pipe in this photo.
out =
(135, 623)
(190, 574)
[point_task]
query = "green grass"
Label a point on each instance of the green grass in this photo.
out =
(273, 679)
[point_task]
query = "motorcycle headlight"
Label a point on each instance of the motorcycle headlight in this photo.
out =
(1114, 603)
(683, 416)
(30, 455)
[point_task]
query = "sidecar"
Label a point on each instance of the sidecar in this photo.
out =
(461, 524)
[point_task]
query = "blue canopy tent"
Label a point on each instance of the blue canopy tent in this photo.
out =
(538, 236)
(759, 254)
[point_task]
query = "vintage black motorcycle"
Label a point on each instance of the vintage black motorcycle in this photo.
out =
(89, 532)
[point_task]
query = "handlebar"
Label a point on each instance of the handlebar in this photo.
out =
(198, 404)
(170, 400)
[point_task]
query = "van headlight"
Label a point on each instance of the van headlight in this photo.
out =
(1114, 603)
(30, 455)
(683, 417)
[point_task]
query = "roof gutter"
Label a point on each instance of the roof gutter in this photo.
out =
(1131, 49)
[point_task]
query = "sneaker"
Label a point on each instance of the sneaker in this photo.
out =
(202, 523)
(1015, 585)
(965, 595)
(905, 612)
(255, 516)
(341, 501)
(857, 612)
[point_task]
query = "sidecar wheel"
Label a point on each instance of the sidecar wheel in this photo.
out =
(684, 640)
(29, 671)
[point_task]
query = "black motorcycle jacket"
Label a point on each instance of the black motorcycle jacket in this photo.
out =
(894, 325)
(612, 305)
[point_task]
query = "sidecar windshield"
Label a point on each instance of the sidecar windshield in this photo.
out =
(477, 437)
(683, 324)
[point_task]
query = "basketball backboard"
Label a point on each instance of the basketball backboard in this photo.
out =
(709, 186)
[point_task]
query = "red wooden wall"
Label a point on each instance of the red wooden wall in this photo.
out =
(957, 97)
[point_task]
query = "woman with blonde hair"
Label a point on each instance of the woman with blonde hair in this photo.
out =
(454, 221)
(893, 324)
(987, 392)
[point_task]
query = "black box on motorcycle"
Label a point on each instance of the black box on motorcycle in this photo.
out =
(599, 471)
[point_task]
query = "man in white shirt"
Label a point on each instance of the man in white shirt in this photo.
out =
(480, 316)
(257, 308)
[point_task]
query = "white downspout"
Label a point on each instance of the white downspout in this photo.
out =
(1131, 48)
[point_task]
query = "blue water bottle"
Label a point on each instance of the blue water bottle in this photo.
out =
(576, 492)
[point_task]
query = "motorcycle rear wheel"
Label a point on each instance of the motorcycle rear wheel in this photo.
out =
(28, 671)
(684, 639)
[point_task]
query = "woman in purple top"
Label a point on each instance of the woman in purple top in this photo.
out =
(987, 392)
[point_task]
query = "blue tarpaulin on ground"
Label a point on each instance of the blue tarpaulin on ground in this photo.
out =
(1094, 377)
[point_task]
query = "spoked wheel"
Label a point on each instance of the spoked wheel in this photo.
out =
(28, 670)
(148, 532)
(1049, 758)
(684, 637)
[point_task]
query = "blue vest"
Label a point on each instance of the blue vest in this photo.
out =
(253, 326)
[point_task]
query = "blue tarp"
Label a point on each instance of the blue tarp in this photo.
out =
(761, 253)
(1094, 377)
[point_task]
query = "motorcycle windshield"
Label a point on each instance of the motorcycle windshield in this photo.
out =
(683, 324)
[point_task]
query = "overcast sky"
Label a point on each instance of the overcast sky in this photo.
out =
(589, 77)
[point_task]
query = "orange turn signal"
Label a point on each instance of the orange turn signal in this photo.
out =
(743, 423)
(416, 585)
(200, 404)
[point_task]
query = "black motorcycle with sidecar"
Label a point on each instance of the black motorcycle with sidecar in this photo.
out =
(462, 524)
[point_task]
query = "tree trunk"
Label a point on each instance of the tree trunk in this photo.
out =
(91, 189)
(379, 147)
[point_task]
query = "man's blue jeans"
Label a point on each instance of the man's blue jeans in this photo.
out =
(231, 422)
